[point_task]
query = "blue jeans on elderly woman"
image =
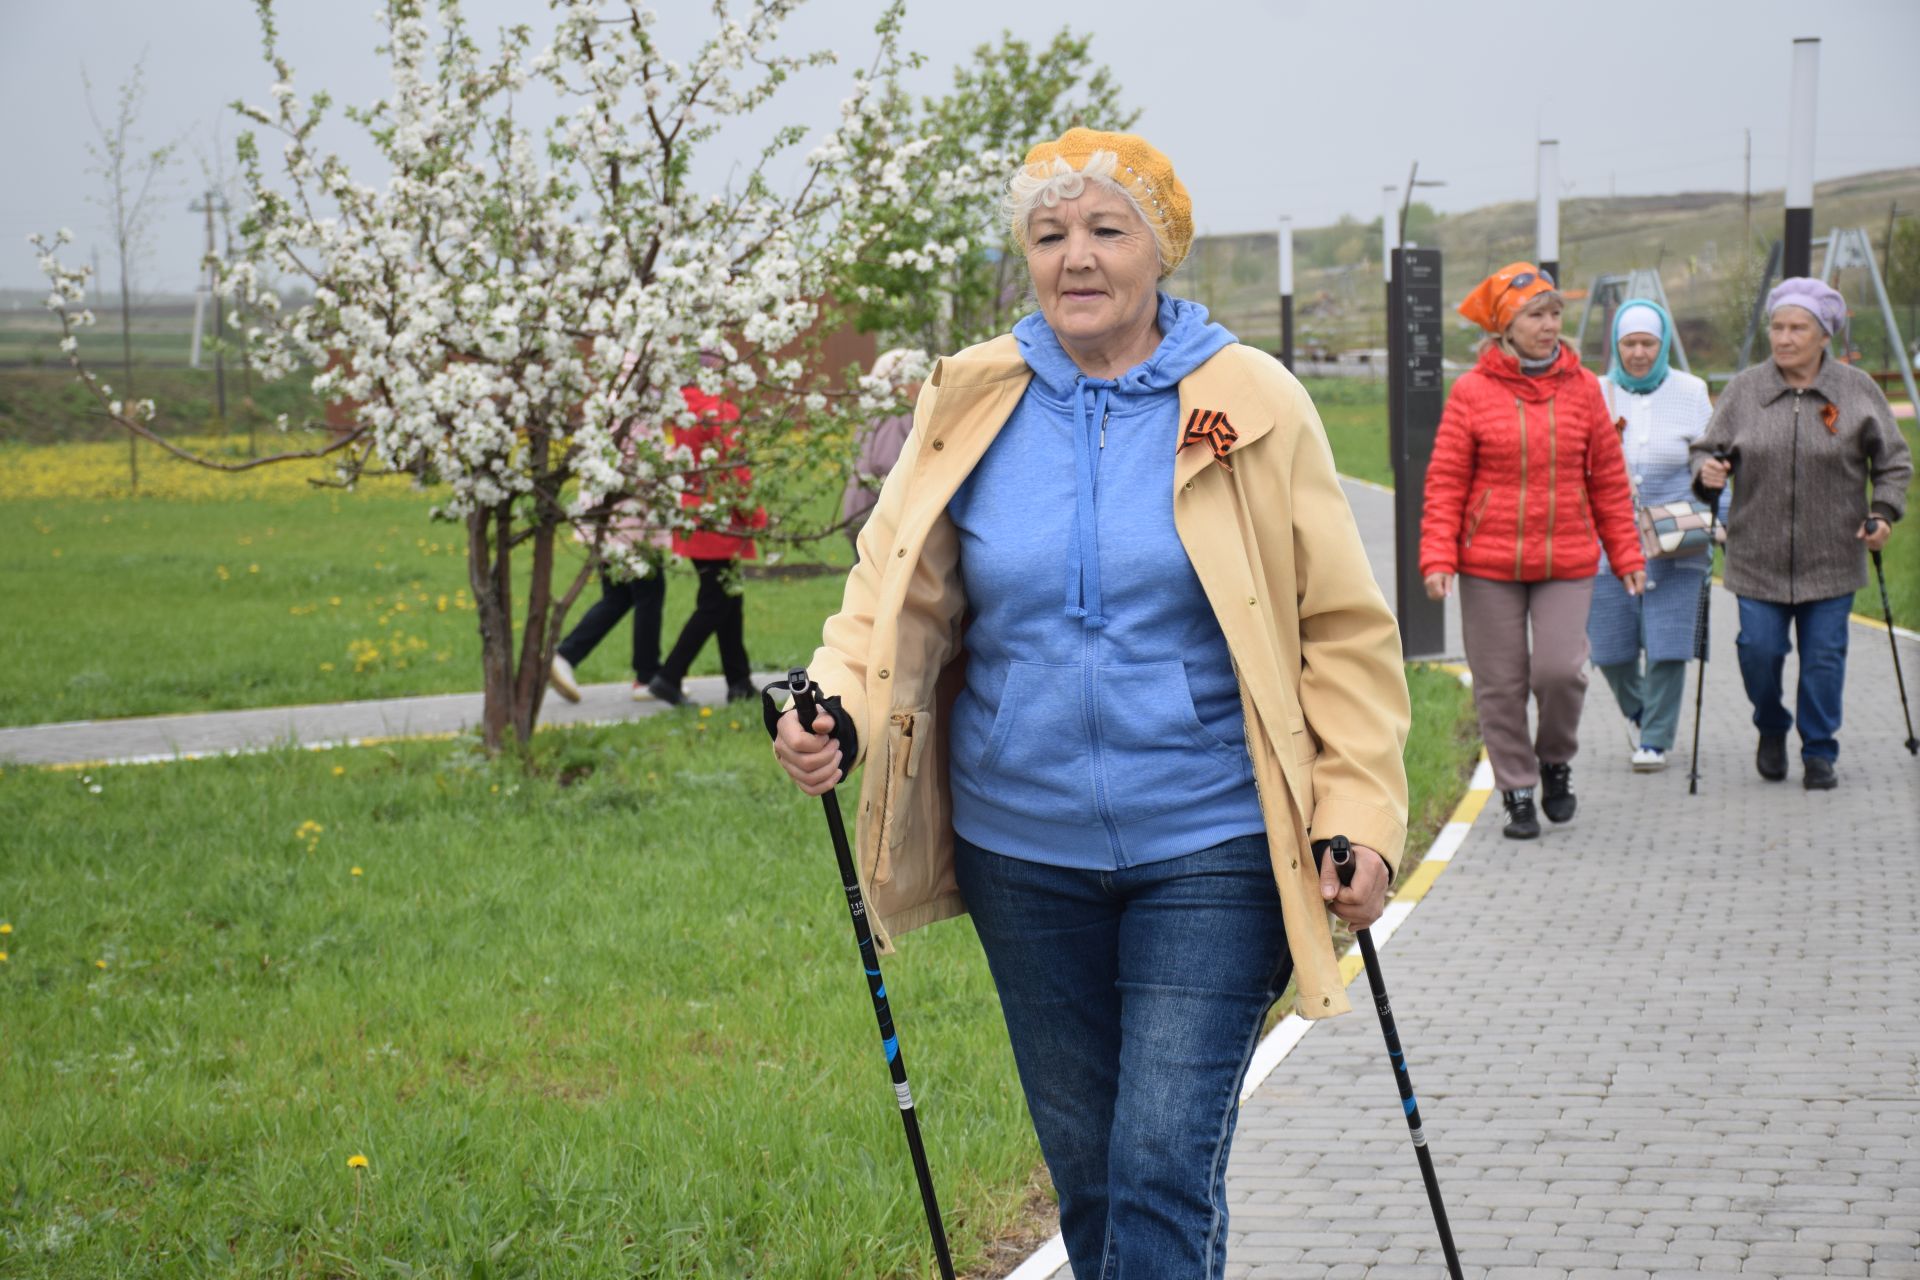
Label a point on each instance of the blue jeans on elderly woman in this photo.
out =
(1821, 627)
(1134, 999)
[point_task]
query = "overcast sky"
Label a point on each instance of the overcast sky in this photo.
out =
(1265, 106)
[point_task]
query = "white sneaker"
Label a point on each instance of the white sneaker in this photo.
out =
(560, 676)
(1649, 760)
(641, 693)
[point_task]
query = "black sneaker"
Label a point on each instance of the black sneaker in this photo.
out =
(742, 693)
(1522, 822)
(1771, 758)
(1557, 787)
(667, 691)
(1819, 774)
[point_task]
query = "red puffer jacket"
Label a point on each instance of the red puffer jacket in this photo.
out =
(1526, 479)
(711, 430)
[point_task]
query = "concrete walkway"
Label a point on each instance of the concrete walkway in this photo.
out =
(152, 738)
(1679, 1035)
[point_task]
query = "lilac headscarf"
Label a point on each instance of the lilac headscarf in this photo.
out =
(1817, 298)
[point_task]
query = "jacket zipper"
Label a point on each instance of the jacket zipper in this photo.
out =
(1479, 514)
(1553, 477)
(1793, 505)
(1520, 512)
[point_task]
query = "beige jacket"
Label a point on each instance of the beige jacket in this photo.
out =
(1280, 559)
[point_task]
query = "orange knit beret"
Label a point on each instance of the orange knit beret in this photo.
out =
(1503, 295)
(1142, 169)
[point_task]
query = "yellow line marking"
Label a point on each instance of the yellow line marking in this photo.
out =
(1350, 966)
(1468, 810)
(1417, 884)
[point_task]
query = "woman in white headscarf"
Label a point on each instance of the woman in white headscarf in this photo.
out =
(1659, 412)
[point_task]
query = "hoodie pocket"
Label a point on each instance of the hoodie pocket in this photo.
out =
(1155, 754)
(1037, 757)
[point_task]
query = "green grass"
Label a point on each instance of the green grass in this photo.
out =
(593, 1011)
(599, 1018)
(144, 606)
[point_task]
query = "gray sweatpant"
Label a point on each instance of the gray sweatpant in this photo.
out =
(1494, 619)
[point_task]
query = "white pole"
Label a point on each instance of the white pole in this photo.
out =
(1798, 258)
(1546, 203)
(1286, 257)
(1805, 87)
(1389, 229)
(199, 323)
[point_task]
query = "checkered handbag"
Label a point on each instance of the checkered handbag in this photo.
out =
(1682, 528)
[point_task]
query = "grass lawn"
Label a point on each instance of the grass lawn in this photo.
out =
(214, 591)
(593, 1014)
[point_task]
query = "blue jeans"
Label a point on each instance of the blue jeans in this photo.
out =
(1134, 999)
(1764, 645)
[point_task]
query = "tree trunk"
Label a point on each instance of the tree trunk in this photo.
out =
(535, 659)
(489, 574)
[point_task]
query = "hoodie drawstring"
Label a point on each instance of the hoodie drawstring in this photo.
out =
(1083, 555)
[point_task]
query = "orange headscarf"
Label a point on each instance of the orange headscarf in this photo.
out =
(1496, 300)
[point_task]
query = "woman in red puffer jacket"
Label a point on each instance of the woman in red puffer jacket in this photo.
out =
(1525, 485)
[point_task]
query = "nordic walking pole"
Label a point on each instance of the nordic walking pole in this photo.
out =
(1886, 609)
(806, 701)
(1701, 634)
(1340, 849)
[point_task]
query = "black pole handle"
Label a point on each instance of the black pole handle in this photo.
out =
(1340, 849)
(805, 701)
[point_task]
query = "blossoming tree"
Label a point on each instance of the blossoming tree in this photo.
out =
(514, 308)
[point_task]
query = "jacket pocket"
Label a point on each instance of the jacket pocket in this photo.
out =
(1155, 754)
(1479, 514)
(906, 737)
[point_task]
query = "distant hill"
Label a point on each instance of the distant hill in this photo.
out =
(1694, 239)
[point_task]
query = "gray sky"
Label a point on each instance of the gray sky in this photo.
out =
(1265, 106)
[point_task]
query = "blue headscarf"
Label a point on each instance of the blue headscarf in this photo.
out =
(1658, 373)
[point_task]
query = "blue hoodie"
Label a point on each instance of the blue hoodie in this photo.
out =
(1100, 726)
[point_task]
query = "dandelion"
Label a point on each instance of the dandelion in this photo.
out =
(734, 725)
(253, 568)
(339, 771)
(3, 957)
(99, 964)
(356, 1162)
(705, 712)
(5, 927)
(309, 832)
(326, 666)
(354, 871)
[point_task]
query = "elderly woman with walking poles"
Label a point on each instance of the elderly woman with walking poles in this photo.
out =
(1659, 411)
(1819, 472)
(1525, 484)
(1114, 659)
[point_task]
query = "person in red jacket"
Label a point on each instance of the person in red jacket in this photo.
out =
(718, 609)
(1525, 485)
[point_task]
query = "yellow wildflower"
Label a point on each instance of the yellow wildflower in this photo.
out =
(354, 872)
(339, 771)
(3, 957)
(356, 1162)
(253, 568)
(705, 712)
(99, 964)
(5, 927)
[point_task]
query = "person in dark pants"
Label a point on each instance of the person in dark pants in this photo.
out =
(718, 610)
(645, 597)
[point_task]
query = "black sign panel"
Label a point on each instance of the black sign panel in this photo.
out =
(1416, 394)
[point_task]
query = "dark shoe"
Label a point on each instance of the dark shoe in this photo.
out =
(667, 691)
(742, 693)
(1522, 822)
(1771, 758)
(1819, 774)
(1557, 785)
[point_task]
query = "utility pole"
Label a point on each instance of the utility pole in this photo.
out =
(1546, 216)
(1799, 214)
(1286, 292)
(211, 203)
(1746, 203)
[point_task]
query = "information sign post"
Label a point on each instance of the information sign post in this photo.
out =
(1416, 394)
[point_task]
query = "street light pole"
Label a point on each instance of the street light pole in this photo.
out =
(1798, 259)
